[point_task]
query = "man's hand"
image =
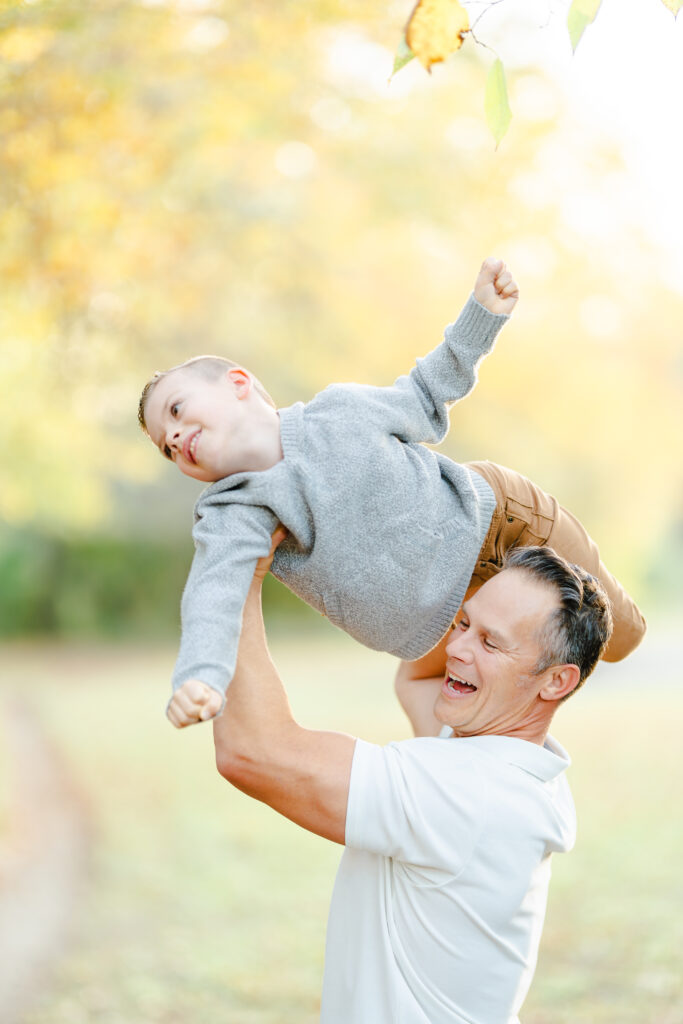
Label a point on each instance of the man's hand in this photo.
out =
(263, 564)
(193, 702)
(495, 287)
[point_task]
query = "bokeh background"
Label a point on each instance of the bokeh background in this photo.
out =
(189, 176)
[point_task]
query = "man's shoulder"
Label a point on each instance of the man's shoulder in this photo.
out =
(499, 757)
(437, 756)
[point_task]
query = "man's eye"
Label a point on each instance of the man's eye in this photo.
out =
(489, 646)
(463, 624)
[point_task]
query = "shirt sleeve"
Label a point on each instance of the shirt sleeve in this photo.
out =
(229, 539)
(420, 801)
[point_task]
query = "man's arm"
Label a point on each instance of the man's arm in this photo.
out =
(301, 773)
(417, 686)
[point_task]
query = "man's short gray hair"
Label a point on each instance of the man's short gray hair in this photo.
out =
(578, 631)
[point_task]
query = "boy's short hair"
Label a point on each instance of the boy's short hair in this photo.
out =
(577, 632)
(208, 367)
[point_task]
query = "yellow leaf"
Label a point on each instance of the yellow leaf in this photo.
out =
(673, 5)
(496, 106)
(581, 14)
(435, 29)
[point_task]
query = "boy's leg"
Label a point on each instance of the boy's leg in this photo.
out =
(526, 515)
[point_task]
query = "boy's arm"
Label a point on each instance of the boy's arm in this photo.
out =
(416, 407)
(417, 686)
(229, 539)
(301, 773)
(449, 373)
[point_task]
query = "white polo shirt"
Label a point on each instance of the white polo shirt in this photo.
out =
(440, 896)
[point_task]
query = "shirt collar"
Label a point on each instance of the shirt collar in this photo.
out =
(544, 762)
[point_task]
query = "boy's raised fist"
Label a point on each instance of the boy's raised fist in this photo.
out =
(496, 288)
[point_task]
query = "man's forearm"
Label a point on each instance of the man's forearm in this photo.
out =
(417, 686)
(301, 773)
(257, 710)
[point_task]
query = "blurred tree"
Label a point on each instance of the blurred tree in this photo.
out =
(203, 175)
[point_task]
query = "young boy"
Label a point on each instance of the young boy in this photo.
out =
(385, 536)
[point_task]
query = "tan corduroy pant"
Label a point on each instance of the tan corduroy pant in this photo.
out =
(525, 516)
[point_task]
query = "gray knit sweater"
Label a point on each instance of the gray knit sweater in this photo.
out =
(383, 532)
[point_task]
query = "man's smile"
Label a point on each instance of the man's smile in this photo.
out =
(453, 686)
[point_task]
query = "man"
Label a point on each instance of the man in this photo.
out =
(440, 897)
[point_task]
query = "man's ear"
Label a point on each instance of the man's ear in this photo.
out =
(561, 680)
(240, 380)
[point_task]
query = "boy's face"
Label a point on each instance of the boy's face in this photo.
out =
(203, 426)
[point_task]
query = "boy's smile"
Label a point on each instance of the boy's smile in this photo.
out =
(211, 429)
(189, 447)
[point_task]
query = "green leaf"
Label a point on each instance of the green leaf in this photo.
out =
(498, 113)
(581, 14)
(673, 5)
(403, 56)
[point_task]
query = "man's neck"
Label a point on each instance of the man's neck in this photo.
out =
(533, 727)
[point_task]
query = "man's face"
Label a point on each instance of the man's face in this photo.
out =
(203, 426)
(493, 650)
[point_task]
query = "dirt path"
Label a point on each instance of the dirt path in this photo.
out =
(41, 864)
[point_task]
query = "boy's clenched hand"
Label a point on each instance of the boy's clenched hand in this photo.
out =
(192, 702)
(496, 288)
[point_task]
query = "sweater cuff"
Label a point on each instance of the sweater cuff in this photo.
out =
(478, 322)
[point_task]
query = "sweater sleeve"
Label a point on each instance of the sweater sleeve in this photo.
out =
(229, 539)
(416, 407)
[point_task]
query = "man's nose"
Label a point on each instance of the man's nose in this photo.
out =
(459, 646)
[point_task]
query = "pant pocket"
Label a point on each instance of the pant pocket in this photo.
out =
(522, 526)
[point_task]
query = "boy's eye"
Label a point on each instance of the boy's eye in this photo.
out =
(464, 624)
(174, 409)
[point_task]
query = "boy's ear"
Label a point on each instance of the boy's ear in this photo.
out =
(561, 680)
(240, 380)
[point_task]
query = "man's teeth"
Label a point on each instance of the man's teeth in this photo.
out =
(455, 684)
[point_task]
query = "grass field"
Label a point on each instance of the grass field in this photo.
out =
(202, 906)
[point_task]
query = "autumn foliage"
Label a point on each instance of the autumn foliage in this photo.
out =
(184, 177)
